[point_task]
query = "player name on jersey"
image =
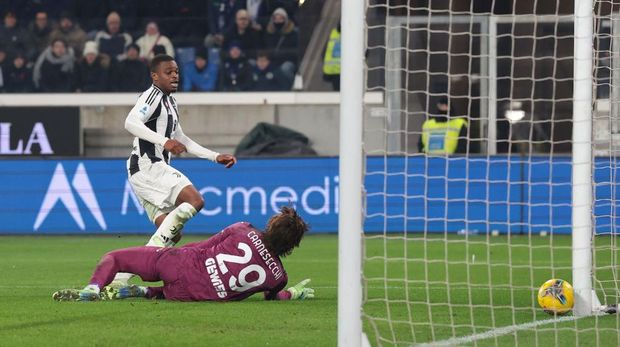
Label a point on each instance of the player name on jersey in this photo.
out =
(264, 253)
(215, 278)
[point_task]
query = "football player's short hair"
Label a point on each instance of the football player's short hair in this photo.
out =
(158, 59)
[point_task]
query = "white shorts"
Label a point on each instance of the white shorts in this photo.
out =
(157, 186)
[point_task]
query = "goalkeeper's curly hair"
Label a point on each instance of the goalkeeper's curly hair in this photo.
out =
(284, 232)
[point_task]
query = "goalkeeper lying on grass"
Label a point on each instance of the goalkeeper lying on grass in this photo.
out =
(232, 265)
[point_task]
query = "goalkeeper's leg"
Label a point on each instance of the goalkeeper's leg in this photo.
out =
(167, 235)
(136, 260)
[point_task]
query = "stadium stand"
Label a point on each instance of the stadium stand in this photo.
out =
(181, 27)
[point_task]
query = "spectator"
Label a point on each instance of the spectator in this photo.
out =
(331, 59)
(443, 134)
(248, 37)
(3, 68)
(12, 36)
(69, 32)
(151, 39)
(112, 41)
(266, 77)
(260, 10)
(40, 31)
(19, 76)
(53, 71)
(199, 76)
(221, 19)
(91, 72)
(235, 72)
(129, 11)
(131, 74)
(281, 40)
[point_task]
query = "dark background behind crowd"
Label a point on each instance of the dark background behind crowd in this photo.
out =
(106, 45)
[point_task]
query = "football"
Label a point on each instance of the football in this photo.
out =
(556, 297)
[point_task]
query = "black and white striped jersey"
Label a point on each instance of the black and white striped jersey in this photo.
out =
(159, 113)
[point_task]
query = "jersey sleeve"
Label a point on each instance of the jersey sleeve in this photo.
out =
(193, 147)
(141, 113)
(278, 293)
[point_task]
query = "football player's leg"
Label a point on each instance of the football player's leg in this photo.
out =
(157, 216)
(136, 260)
(188, 203)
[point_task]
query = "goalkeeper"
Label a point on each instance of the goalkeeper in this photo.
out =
(232, 265)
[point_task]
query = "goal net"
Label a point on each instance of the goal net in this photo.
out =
(464, 220)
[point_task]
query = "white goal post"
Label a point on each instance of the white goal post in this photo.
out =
(350, 172)
(582, 159)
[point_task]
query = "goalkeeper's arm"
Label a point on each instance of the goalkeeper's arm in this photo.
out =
(296, 292)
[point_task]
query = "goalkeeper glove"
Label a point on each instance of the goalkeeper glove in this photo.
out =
(300, 292)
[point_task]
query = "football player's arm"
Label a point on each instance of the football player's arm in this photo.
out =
(296, 292)
(193, 147)
(201, 152)
(278, 293)
(134, 123)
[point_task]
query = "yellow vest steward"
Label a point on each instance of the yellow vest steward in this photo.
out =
(331, 61)
(441, 137)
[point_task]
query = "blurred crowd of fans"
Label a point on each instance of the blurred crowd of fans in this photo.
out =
(220, 45)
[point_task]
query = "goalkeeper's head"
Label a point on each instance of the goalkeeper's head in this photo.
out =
(284, 232)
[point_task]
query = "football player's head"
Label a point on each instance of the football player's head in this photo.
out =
(284, 231)
(165, 73)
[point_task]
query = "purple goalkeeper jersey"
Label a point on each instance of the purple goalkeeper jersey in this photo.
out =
(231, 265)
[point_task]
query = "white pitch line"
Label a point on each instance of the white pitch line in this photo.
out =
(455, 341)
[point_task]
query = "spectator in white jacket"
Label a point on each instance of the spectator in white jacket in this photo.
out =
(152, 38)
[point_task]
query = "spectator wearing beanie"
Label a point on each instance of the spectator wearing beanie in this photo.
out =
(91, 72)
(131, 74)
(281, 39)
(199, 75)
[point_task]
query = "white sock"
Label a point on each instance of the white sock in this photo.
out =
(172, 225)
(123, 277)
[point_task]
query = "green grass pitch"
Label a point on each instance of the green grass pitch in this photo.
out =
(34, 267)
(418, 282)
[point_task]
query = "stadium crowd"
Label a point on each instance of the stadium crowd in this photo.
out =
(105, 45)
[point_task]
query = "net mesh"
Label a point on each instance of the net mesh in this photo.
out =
(465, 222)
